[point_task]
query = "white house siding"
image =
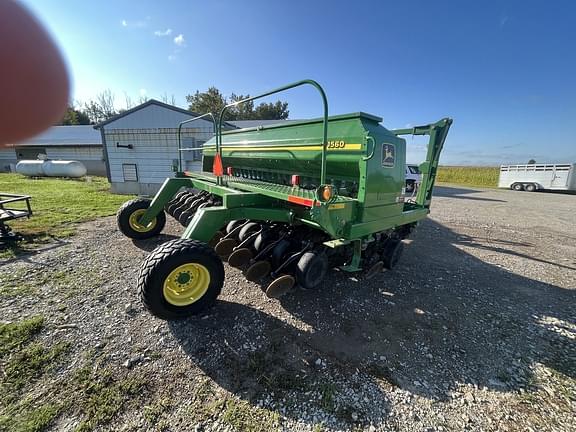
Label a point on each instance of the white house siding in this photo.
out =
(154, 152)
(7, 158)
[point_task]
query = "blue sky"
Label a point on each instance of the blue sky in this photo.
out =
(504, 70)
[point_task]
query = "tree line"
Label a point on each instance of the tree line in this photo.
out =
(103, 107)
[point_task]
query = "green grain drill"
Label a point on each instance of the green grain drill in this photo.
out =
(286, 203)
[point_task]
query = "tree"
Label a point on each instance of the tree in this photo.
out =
(210, 101)
(213, 101)
(101, 108)
(74, 116)
(531, 162)
(272, 111)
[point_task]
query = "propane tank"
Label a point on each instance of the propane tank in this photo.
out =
(51, 168)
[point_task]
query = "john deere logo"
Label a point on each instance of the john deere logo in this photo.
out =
(388, 155)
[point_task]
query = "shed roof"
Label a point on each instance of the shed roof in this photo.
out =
(160, 104)
(83, 135)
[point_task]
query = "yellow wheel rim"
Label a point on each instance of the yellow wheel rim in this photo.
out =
(137, 226)
(186, 284)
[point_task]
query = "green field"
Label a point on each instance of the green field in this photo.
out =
(471, 176)
(58, 204)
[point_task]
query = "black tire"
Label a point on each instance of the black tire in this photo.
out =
(263, 239)
(175, 199)
(127, 225)
(185, 217)
(517, 187)
(177, 203)
(279, 252)
(311, 269)
(166, 259)
(248, 229)
(233, 224)
(392, 253)
(530, 187)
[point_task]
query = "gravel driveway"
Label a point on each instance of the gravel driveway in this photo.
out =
(474, 330)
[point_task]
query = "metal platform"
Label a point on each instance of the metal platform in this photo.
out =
(10, 213)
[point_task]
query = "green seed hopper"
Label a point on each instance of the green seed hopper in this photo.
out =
(286, 203)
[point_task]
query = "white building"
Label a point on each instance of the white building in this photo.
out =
(141, 146)
(80, 143)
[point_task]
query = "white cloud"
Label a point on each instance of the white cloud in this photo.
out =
(179, 40)
(142, 92)
(171, 57)
(161, 33)
(136, 23)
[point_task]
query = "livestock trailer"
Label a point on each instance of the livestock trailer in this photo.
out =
(532, 177)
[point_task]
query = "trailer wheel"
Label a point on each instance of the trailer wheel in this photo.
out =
(311, 269)
(517, 187)
(129, 214)
(530, 187)
(392, 253)
(180, 278)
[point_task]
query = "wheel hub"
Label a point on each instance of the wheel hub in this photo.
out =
(134, 221)
(186, 284)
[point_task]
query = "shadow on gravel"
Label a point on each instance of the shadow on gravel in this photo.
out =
(456, 192)
(452, 319)
(150, 244)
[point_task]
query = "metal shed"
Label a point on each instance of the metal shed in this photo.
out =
(141, 145)
(80, 143)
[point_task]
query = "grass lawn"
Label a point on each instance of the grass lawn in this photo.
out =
(471, 176)
(58, 204)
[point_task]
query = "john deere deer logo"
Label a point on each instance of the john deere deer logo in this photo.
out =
(388, 155)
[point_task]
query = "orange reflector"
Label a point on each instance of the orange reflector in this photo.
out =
(302, 201)
(326, 193)
(217, 168)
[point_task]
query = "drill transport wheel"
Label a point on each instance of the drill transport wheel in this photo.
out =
(128, 217)
(240, 257)
(280, 286)
(180, 278)
(257, 271)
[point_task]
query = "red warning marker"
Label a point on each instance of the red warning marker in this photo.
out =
(217, 168)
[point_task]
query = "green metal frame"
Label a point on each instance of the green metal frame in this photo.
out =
(278, 90)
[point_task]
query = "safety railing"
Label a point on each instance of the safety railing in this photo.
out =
(180, 149)
(271, 92)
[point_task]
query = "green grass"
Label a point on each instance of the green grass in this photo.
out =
(14, 335)
(470, 176)
(57, 204)
(33, 393)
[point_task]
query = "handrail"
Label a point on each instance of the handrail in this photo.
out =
(278, 90)
(180, 131)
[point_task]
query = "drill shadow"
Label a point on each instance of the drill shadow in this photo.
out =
(451, 320)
